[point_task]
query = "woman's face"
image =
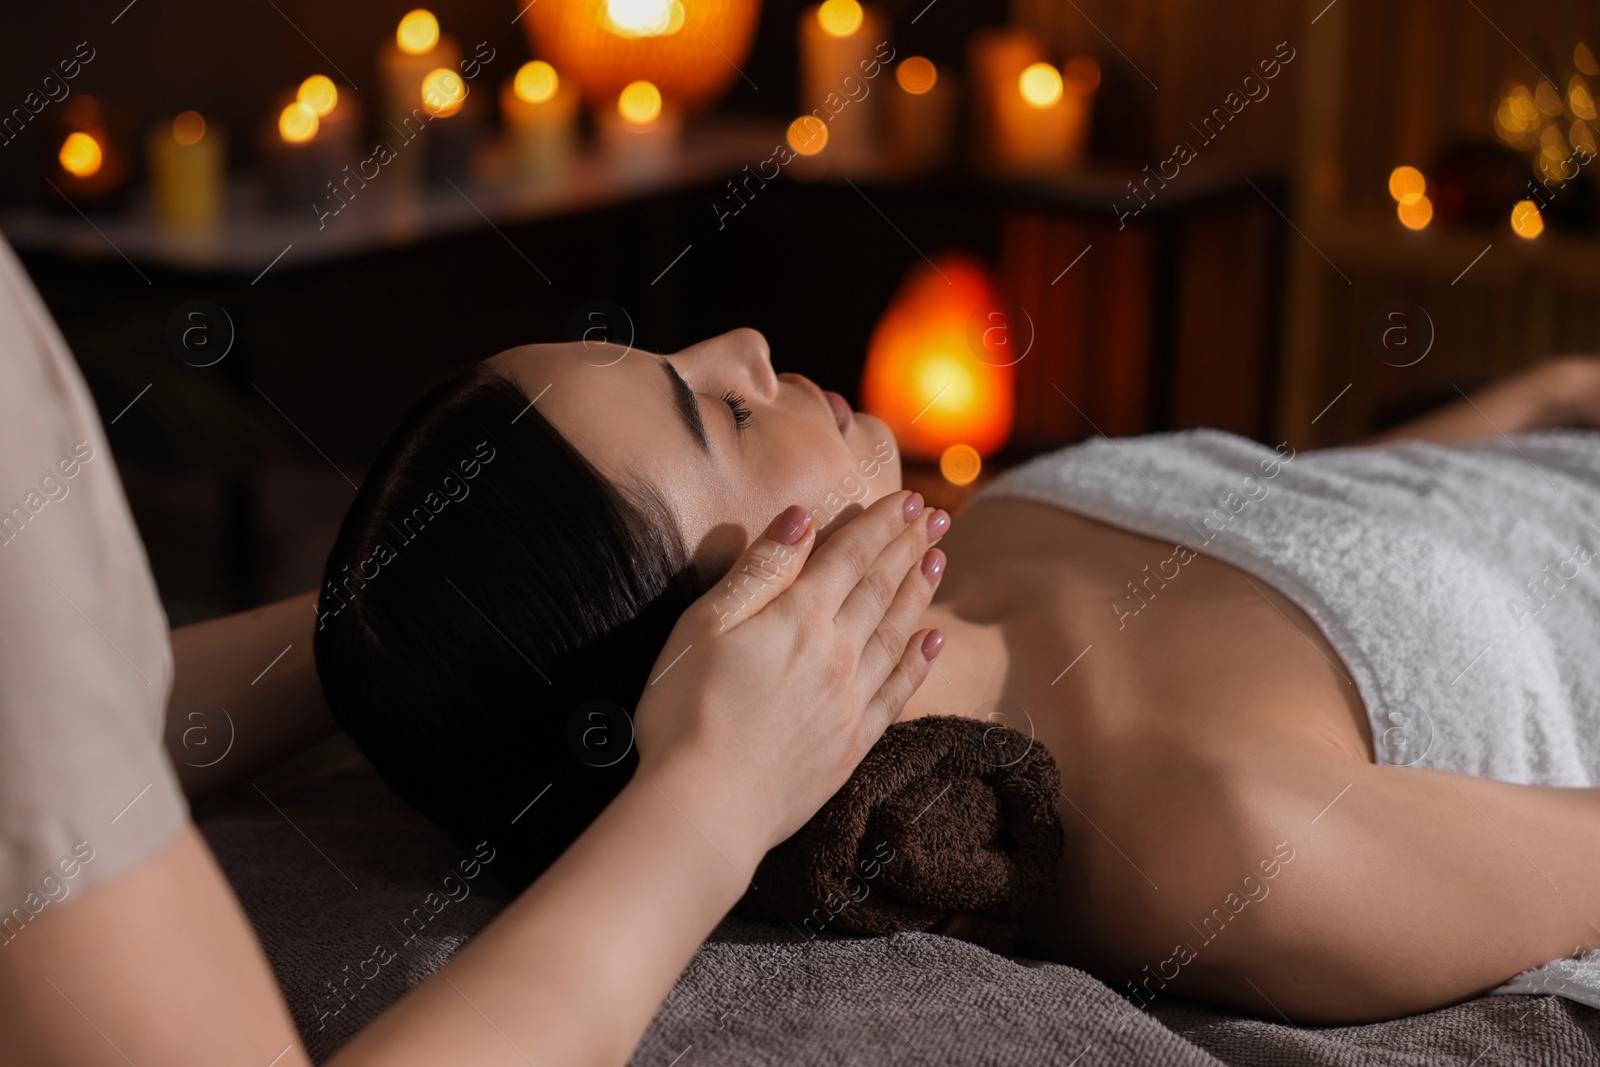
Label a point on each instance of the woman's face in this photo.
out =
(628, 413)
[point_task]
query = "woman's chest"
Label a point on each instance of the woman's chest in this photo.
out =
(1119, 643)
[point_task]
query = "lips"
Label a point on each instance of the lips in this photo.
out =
(841, 409)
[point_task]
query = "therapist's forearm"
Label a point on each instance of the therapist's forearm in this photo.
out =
(244, 695)
(573, 971)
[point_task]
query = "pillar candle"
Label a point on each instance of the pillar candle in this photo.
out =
(540, 112)
(640, 133)
(842, 46)
(417, 49)
(187, 160)
(921, 114)
(996, 58)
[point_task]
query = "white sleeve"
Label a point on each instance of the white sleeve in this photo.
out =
(86, 790)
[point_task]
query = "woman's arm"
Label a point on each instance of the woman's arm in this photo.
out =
(1561, 392)
(244, 695)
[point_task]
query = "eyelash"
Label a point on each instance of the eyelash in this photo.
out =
(741, 414)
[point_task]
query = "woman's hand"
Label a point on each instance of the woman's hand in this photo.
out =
(774, 685)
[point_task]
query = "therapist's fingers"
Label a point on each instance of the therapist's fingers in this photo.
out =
(887, 639)
(838, 567)
(903, 566)
(767, 567)
(916, 660)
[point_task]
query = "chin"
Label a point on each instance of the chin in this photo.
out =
(875, 444)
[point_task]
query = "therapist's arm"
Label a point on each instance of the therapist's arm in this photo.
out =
(244, 695)
(161, 966)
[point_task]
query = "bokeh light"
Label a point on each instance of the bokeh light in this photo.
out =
(536, 82)
(807, 135)
(1407, 184)
(1040, 85)
(1525, 219)
(840, 18)
(960, 464)
(319, 94)
(188, 128)
(443, 92)
(418, 32)
(916, 74)
(639, 103)
(80, 155)
(644, 18)
(1415, 214)
(298, 123)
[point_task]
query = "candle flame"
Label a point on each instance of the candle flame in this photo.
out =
(443, 92)
(1526, 220)
(319, 94)
(80, 155)
(298, 123)
(639, 103)
(536, 82)
(1040, 85)
(188, 128)
(840, 18)
(916, 75)
(418, 32)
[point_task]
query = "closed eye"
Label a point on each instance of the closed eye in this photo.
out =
(741, 414)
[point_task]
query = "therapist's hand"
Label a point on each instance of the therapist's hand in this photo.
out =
(776, 683)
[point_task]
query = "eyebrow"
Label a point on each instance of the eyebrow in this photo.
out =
(683, 399)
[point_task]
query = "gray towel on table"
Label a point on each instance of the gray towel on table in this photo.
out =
(1459, 584)
(338, 867)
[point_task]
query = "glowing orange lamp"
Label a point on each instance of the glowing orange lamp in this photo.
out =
(691, 50)
(940, 366)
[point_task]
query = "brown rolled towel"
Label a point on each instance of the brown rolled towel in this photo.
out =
(950, 824)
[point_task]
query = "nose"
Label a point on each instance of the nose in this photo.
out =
(741, 357)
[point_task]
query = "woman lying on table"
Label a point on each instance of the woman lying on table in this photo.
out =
(1359, 680)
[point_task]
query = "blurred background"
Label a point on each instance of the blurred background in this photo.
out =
(265, 227)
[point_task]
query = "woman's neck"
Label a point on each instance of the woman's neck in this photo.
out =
(970, 670)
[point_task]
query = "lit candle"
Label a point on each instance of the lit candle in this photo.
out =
(641, 131)
(90, 166)
(1028, 117)
(843, 45)
(921, 114)
(540, 113)
(188, 165)
(417, 50)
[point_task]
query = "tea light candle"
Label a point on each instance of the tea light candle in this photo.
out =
(839, 59)
(89, 168)
(921, 114)
(641, 132)
(187, 173)
(540, 114)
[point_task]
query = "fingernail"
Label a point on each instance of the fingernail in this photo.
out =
(932, 644)
(788, 528)
(933, 564)
(913, 506)
(938, 523)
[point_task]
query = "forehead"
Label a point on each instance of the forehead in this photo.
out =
(614, 405)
